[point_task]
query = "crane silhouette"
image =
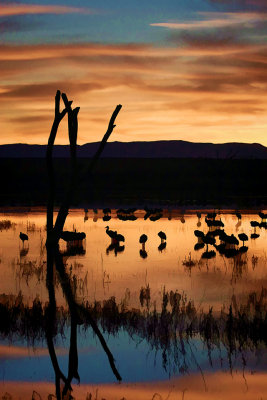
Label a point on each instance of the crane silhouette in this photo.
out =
(243, 237)
(23, 237)
(111, 234)
(116, 238)
(143, 240)
(162, 236)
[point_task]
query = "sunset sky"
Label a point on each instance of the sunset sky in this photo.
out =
(191, 70)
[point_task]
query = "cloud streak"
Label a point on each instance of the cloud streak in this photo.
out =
(215, 20)
(14, 9)
(208, 87)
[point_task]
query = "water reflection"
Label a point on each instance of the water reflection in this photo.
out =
(218, 305)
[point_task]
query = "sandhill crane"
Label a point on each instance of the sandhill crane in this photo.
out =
(143, 240)
(115, 237)
(23, 237)
(254, 225)
(162, 236)
(238, 215)
(243, 237)
(119, 238)
(74, 241)
(111, 234)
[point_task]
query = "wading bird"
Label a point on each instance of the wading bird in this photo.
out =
(115, 237)
(143, 240)
(243, 237)
(23, 237)
(162, 236)
(111, 234)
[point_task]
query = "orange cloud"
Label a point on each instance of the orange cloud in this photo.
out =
(7, 10)
(21, 352)
(208, 87)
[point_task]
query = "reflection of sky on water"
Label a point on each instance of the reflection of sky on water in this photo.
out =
(135, 359)
(209, 283)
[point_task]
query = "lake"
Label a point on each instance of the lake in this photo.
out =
(181, 321)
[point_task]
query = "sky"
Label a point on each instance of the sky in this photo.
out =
(182, 70)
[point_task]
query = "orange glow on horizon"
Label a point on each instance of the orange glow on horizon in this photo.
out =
(193, 93)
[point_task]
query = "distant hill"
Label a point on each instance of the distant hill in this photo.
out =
(157, 149)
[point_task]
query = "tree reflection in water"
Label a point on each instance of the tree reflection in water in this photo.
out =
(171, 330)
(235, 330)
(78, 313)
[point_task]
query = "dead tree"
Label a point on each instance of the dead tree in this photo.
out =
(78, 313)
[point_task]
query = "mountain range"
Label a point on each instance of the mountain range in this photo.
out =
(155, 149)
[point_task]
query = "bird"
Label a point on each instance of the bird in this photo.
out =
(208, 239)
(211, 215)
(199, 246)
(143, 240)
(198, 233)
(238, 215)
(243, 237)
(119, 238)
(162, 235)
(208, 254)
(154, 218)
(106, 211)
(263, 216)
(254, 225)
(115, 237)
(110, 233)
(23, 237)
(69, 236)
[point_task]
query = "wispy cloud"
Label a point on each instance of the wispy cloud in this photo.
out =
(213, 20)
(12, 9)
(172, 92)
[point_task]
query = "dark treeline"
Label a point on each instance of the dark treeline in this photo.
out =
(139, 181)
(236, 329)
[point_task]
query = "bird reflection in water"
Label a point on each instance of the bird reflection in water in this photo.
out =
(24, 251)
(254, 224)
(162, 246)
(75, 243)
(85, 218)
(163, 243)
(116, 247)
(143, 253)
(239, 217)
(142, 241)
(107, 216)
(198, 219)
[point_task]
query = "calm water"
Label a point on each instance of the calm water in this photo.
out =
(187, 369)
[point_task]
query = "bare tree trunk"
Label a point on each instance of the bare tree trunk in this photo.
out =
(78, 313)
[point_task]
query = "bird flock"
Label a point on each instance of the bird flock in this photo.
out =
(216, 236)
(227, 245)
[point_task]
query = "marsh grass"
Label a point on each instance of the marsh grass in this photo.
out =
(169, 331)
(6, 224)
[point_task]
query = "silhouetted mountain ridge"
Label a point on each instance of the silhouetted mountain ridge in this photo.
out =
(156, 149)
